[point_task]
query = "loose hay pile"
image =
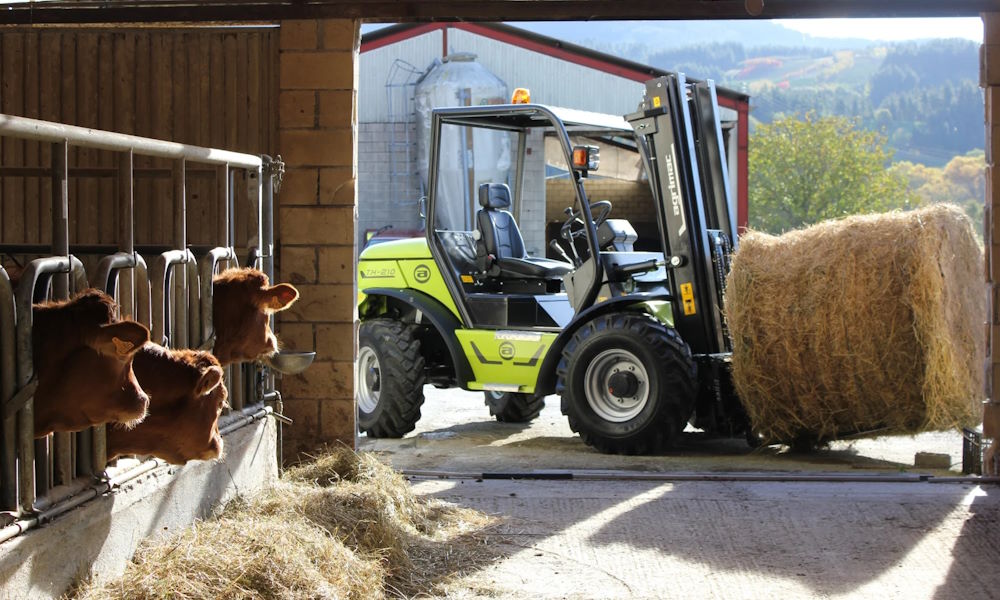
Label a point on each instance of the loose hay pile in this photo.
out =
(861, 324)
(345, 526)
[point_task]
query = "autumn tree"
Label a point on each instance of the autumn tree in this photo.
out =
(962, 181)
(805, 169)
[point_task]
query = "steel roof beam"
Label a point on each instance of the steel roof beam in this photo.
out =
(139, 11)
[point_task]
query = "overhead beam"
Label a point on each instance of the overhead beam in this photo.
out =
(143, 11)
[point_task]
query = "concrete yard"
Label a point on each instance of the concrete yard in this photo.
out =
(761, 536)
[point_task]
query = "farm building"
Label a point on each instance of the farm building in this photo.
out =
(400, 69)
(149, 127)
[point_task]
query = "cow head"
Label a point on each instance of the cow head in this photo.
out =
(242, 303)
(83, 362)
(186, 397)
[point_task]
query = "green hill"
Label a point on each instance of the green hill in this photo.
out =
(924, 96)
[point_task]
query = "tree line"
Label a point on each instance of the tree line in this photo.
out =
(923, 96)
(807, 168)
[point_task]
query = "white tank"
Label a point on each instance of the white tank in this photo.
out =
(464, 161)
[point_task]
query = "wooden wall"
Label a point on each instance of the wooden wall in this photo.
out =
(209, 86)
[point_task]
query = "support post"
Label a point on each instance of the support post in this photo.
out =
(178, 289)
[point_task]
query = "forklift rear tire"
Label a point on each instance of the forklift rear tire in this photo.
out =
(628, 384)
(513, 407)
(390, 378)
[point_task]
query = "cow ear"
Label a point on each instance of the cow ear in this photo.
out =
(121, 339)
(278, 297)
(211, 378)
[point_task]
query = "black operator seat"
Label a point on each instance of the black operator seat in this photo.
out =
(501, 245)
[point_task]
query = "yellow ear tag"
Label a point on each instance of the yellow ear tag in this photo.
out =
(122, 347)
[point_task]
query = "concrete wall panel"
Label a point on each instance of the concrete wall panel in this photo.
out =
(99, 538)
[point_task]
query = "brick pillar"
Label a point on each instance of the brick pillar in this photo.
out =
(317, 217)
(990, 80)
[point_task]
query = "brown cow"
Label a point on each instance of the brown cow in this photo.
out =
(83, 362)
(186, 397)
(241, 305)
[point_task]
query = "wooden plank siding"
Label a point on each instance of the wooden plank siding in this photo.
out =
(211, 87)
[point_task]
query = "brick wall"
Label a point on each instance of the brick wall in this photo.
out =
(630, 200)
(990, 80)
(316, 220)
(388, 183)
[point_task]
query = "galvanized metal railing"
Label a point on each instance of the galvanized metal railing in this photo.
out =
(34, 287)
(173, 298)
(8, 385)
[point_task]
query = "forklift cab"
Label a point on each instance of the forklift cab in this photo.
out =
(478, 215)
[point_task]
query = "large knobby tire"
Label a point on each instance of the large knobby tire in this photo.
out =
(628, 384)
(390, 378)
(513, 407)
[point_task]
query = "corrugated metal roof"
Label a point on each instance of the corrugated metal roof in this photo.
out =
(506, 33)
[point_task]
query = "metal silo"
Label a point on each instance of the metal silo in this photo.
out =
(465, 160)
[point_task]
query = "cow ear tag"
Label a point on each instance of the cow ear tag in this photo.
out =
(122, 347)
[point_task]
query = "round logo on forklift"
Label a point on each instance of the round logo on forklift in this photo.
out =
(507, 351)
(422, 273)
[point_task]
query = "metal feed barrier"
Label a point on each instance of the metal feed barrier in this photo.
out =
(172, 297)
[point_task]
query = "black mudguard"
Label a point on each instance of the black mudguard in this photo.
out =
(441, 318)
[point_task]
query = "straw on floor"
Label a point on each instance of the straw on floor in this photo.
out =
(343, 526)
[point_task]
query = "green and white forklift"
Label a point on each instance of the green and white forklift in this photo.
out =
(633, 342)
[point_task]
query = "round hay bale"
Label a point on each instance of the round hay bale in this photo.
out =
(861, 324)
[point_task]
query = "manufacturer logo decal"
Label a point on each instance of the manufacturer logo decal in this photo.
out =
(378, 273)
(507, 351)
(674, 188)
(422, 273)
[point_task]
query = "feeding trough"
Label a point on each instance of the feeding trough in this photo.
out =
(289, 362)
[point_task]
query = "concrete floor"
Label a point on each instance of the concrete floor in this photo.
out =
(456, 433)
(616, 537)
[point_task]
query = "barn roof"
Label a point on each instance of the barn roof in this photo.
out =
(543, 44)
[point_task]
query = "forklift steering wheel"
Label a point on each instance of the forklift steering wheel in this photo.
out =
(599, 210)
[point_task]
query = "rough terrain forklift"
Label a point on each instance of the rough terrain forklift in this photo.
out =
(634, 342)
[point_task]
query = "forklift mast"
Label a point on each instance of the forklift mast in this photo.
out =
(680, 139)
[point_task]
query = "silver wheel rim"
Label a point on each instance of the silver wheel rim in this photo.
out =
(597, 379)
(369, 379)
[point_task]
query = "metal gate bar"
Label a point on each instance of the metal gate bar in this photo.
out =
(47, 131)
(62, 471)
(172, 307)
(179, 284)
(33, 288)
(8, 385)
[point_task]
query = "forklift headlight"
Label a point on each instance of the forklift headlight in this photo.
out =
(586, 158)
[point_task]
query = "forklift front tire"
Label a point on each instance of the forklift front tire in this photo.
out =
(390, 378)
(628, 384)
(513, 407)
